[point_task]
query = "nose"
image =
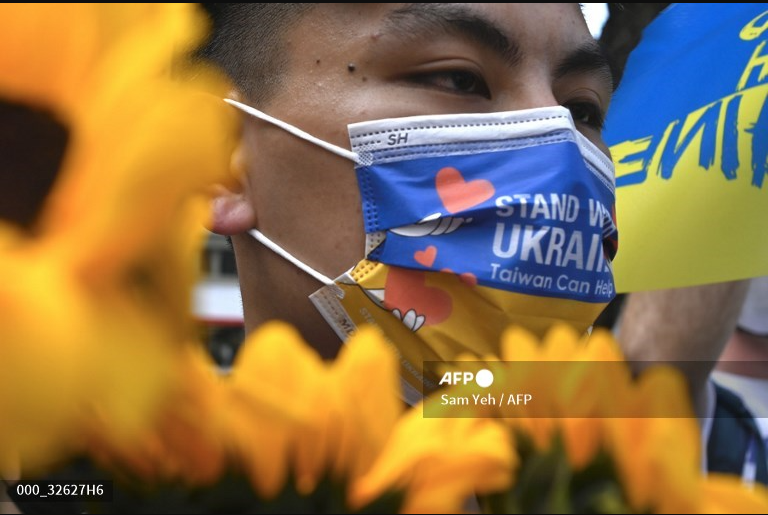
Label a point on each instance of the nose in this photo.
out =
(534, 88)
(527, 91)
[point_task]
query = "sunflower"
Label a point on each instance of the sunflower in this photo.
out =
(296, 417)
(180, 442)
(593, 438)
(96, 283)
(287, 430)
(727, 494)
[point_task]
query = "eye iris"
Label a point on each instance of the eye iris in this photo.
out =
(582, 113)
(586, 113)
(463, 81)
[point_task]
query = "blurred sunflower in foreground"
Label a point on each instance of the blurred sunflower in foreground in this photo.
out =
(289, 433)
(286, 432)
(104, 157)
(593, 439)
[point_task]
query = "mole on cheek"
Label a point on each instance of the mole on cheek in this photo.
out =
(351, 67)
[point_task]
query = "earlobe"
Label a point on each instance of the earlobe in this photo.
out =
(232, 213)
(231, 210)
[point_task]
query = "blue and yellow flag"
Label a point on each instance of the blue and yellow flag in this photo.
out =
(688, 131)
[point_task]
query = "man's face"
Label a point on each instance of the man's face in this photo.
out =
(351, 63)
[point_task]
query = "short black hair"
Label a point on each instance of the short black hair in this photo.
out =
(247, 42)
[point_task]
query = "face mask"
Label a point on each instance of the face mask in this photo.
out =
(474, 222)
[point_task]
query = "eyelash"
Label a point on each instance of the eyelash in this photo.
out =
(477, 85)
(588, 113)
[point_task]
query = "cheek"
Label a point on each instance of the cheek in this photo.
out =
(306, 198)
(596, 138)
(607, 150)
(602, 146)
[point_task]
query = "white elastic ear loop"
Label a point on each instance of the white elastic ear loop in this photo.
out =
(343, 152)
(277, 249)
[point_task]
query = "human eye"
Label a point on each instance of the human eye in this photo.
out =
(586, 112)
(461, 82)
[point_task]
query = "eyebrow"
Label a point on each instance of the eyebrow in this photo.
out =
(423, 19)
(589, 57)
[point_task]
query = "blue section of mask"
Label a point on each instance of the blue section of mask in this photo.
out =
(529, 218)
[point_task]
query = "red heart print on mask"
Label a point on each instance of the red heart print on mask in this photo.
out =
(406, 290)
(458, 194)
(426, 257)
(469, 279)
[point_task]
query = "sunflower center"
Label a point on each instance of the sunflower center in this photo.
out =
(32, 145)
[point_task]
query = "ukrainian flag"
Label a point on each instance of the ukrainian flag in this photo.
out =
(688, 131)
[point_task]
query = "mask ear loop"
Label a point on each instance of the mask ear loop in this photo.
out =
(277, 249)
(343, 152)
(347, 154)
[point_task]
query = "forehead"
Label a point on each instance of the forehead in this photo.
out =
(532, 27)
(521, 21)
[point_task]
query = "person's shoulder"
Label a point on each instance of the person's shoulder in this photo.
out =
(735, 444)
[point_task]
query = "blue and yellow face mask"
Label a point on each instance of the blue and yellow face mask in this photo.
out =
(474, 222)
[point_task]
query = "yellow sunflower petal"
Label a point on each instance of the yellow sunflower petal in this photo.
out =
(50, 79)
(517, 344)
(41, 368)
(583, 438)
(654, 477)
(108, 275)
(657, 455)
(561, 343)
(366, 389)
(277, 397)
(439, 462)
(183, 441)
(601, 346)
(727, 494)
(152, 173)
(69, 57)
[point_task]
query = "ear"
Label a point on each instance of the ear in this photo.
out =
(231, 210)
